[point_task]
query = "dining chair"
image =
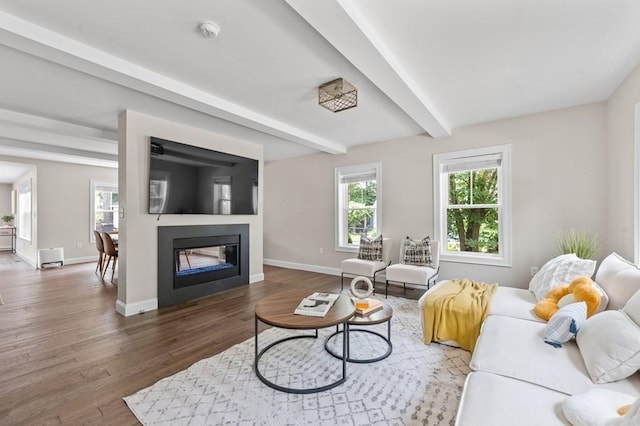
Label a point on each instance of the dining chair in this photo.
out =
(111, 252)
(100, 248)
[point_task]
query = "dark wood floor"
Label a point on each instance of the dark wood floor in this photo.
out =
(66, 356)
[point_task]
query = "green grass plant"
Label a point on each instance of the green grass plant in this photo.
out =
(583, 243)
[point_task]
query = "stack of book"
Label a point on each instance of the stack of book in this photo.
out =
(367, 306)
(316, 305)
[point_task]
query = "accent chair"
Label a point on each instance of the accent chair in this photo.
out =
(416, 275)
(368, 268)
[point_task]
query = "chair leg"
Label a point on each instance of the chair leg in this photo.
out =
(386, 289)
(405, 288)
(99, 263)
(113, 268)
(341, 281)
(106, 266)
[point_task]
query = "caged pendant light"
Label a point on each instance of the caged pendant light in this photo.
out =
(337, 95)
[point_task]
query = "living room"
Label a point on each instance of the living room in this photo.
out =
(573, 162)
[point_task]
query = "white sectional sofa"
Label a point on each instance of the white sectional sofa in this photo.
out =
(518, 379)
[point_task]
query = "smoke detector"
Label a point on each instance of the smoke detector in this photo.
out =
(209, 29)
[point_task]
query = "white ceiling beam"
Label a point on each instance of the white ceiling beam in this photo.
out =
(54, 47)
(39, 151)
(341, 24)
(31, 128)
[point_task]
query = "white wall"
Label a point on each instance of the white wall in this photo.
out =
(5, 208)
(558, 182)
(61, 207)
(620, 149)
(137, 257)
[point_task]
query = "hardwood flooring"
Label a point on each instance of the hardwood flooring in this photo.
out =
(66, 356)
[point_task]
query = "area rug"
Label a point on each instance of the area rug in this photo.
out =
(417, 384)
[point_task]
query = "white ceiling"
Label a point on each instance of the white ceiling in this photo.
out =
(69, 68)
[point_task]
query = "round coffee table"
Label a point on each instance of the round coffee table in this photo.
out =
(378, 317)
(277, 310)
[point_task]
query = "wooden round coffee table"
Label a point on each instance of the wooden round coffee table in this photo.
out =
(378, 317)
(277, 310)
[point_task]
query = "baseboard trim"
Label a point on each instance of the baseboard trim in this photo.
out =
(26, 260)
(76, 260)
(127, 310)
(303, 267)
(256, 278)
(381, 277)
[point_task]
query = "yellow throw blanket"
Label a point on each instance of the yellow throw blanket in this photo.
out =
(455, 311)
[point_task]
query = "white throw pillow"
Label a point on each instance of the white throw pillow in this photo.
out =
(632, 308)
(564, 324)
(619, 278)
(560, 270)
(609, 343)
(598, 407)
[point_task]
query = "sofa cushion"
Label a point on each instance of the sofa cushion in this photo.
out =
(370, 248)
(632, 308)
(619, 278)
(610, 346)
(597, 407)
(564, 324)
(514, 302)
(486, 401)
(515, 348)
(560, 270)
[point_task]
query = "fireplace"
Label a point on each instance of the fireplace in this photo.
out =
(198, 260)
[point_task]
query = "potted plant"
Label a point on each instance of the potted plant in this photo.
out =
(584, 244)
(7, 219)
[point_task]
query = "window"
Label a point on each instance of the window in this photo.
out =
(158, 191)
(104, 208)
(23, 224)
(358, 211)
(472, 205)
(222, 195)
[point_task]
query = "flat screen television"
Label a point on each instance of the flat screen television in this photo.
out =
(186, 179)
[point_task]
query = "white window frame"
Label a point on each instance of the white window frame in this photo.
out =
(92, 208)
(469, 160)
(25, 210)
(341, 224)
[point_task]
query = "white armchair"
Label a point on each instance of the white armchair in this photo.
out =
(368, 268)
(414, 274)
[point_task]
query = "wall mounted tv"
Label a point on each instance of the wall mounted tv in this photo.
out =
(186, 179)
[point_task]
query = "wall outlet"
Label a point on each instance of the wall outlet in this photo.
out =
(78, 245)
(321, 250)
(534, 270)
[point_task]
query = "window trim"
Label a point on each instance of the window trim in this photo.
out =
(339, 224)
(504, 205)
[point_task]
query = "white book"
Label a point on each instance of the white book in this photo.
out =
(316, 305)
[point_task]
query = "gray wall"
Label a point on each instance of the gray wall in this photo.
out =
(61, 207)
(5, 208)
(559, 177)
(618, 162)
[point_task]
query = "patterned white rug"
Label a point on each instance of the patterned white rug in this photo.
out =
(417, 384)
